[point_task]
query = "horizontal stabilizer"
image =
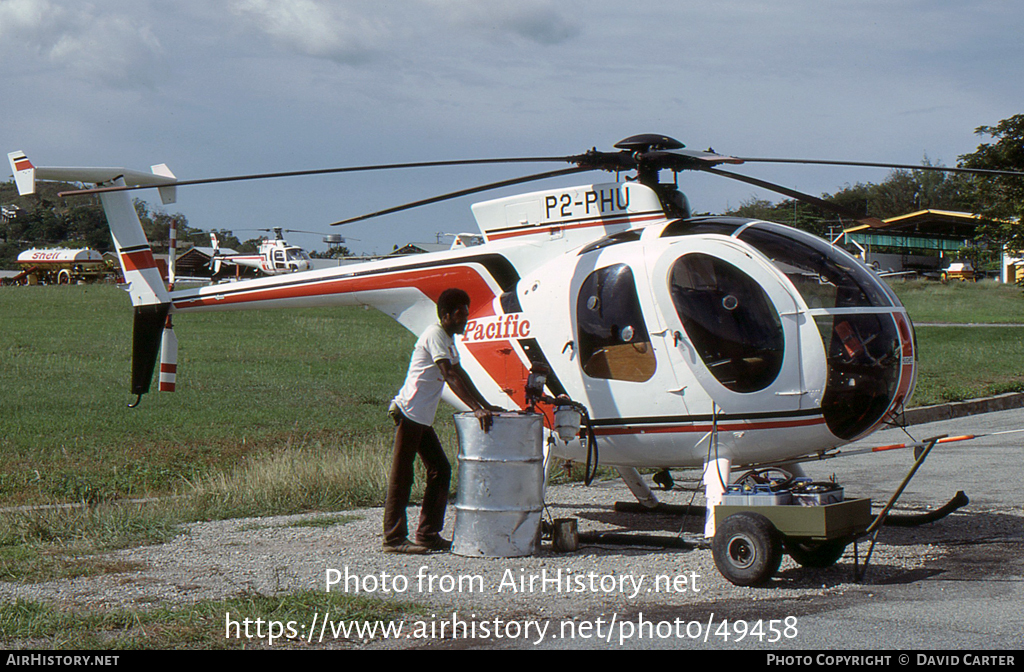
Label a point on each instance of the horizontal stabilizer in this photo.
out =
(25, 175)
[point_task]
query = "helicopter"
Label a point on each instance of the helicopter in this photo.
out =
(275, 256)
(691, 342)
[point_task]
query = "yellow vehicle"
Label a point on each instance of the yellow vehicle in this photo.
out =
(959, 270)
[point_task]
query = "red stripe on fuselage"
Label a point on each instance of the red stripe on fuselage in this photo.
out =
(431, 282)
(504, 366)
(706, 427)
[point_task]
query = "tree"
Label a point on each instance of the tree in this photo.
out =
(999, 199)
(902, 192)
(334, 252)
(790, 212)
(47, 220)
(905, 191)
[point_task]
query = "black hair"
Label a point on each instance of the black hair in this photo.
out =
(451, 299)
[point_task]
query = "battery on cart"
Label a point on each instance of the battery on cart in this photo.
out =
(755, 495)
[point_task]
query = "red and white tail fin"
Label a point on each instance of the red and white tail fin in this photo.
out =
(24, 172)
(146, 286)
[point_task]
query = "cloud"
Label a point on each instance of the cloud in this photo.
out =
(356, 32)
(342, 33)
(535, 20)
(78, 39)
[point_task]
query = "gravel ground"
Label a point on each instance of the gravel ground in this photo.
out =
(922, 582)
(272, 555)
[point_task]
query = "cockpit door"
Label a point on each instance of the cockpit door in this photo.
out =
(619, 356)
(734, 325)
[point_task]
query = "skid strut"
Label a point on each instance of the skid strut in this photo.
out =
(876, 525)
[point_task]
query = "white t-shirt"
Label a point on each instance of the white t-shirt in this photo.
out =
(421, 393)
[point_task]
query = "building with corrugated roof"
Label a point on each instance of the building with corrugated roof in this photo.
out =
(925, 241)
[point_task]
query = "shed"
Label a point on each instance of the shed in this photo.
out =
(926, 240)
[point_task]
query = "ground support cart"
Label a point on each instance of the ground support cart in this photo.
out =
(749, 540)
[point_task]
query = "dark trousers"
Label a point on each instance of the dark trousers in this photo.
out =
(412, 439)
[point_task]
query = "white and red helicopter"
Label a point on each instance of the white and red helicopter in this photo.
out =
(709, 342)
(275, 256)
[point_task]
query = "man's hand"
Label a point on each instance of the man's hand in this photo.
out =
(485, 417)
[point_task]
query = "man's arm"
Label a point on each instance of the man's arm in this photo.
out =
(461, 384)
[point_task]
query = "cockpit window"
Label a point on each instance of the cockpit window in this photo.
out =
(730, 321)
(614, 239)
(699, 225)
(826, 276)
(613, 339)
(863, 370)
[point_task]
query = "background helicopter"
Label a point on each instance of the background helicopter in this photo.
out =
(275, 256)
(708, 341)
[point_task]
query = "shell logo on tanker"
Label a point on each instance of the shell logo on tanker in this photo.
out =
(501, 327)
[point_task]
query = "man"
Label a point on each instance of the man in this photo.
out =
(434, 363)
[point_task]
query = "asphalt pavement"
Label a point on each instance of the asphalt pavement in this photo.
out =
(971, 594)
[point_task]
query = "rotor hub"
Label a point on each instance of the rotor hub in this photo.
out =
(646, 142)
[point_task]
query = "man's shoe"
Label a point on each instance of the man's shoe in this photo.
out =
(435, 544)
(405, 547)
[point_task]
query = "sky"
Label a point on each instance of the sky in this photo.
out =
(248, 86)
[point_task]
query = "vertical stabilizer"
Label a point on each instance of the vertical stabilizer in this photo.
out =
(145, 284)
(168, 194)
(24, 173)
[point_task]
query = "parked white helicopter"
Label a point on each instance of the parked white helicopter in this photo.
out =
(707, 341)
(275, 256)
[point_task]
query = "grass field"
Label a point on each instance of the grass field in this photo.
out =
(249, 384)
(201, 626)
(956, 363)
(286, 396)
(961, 302)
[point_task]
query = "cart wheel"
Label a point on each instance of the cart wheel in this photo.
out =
(747, 549)
(815, 553)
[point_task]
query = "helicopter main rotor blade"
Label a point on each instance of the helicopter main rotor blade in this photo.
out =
(315, 233)
(799, 195)
(466, 192)
(329, 171)
(894, 166)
